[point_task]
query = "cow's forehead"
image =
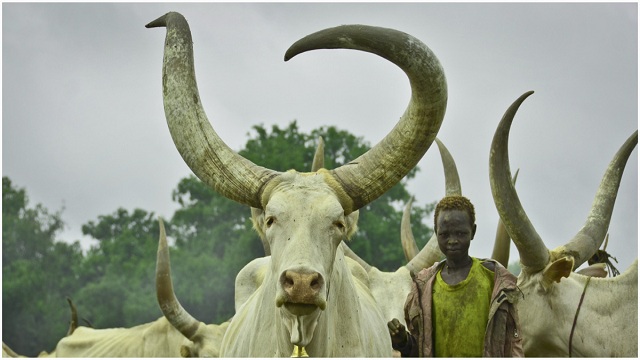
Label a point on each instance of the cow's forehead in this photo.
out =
(304, 193)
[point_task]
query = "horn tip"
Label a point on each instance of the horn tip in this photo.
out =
(161, 21)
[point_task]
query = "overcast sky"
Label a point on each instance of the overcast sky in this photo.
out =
(83, 125)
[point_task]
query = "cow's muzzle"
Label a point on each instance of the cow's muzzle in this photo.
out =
(301, 291)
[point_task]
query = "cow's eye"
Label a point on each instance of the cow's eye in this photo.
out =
(340, 225)
(270, 220)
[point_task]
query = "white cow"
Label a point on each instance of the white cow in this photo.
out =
(564, 313)
(154, 339)
(159, 338)
(308, 299)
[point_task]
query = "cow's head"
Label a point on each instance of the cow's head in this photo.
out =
(551, 265)
(548, 308)
(304, 216)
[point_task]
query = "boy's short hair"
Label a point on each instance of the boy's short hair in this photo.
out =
(454, 202)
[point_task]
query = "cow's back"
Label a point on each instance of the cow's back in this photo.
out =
(154, 339)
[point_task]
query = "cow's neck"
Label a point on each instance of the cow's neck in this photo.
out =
(347, 328)
(343, 330)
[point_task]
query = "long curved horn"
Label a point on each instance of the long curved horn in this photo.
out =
(365, 178)
(502, 244)
(589, 239)
(211, 160)
(534, 255)
(451, 177)
(169, 304)
(373, 173)
(409, 245)
(376, 171)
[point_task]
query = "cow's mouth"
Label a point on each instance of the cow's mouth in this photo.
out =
(300, 320)
(300, 309)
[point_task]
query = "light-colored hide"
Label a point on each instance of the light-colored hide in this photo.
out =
(155, 339)
(607, 325)
(308, 297)
(346, 297)
(7, 352)
(249, 279)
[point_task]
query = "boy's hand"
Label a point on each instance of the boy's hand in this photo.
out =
(398, 334)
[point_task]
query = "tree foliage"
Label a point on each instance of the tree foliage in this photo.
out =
(37, 273)
(120, 270)
(113, 284)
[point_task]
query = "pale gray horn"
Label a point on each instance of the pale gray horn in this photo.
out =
(431, 252)
(534, 255)
(211, 160)
(451, 177)
(407, 239)
(383, 166)
(502, 243)
(177, 316)
(363, 179)
(589, 239)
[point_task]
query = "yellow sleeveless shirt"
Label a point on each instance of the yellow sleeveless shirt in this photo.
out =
(460, 313)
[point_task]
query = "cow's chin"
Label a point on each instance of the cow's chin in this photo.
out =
(300, 320)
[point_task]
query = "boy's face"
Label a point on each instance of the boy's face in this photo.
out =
(455, 232)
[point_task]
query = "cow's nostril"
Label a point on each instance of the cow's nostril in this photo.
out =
(288, 281)
(316, 284)
(301, 287)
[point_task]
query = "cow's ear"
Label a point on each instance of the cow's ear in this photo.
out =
(555, 271)
(185, 352)
(352, 223)
(257, 218)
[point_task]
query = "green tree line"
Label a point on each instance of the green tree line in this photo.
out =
(113, 283)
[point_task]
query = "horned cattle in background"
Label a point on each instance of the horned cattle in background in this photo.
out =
(308, 299)
(568, 314)
(158, 338)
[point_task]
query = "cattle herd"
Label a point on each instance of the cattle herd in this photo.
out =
(311, 295)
